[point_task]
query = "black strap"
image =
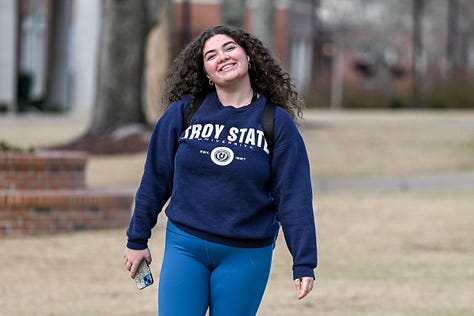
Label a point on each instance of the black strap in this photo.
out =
(191, 109)
(267, 119)
(268, 124)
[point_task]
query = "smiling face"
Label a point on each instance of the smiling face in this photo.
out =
(225, 62)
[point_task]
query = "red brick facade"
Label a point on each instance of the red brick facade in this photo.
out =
(190, 19)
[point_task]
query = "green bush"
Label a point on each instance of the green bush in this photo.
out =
(447, 94)
(3, 108)
(453, 94)
(6, 146)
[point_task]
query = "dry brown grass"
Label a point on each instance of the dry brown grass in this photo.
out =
(380, 253)
(358, 143)
(385, 254)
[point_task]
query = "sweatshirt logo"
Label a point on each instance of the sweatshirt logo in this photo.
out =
(232, 136)
(222, 156)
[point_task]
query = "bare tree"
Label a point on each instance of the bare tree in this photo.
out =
(125, 25)
(418, 8)
(119, 117)
(458, 36)
(452, 42)
(158, 54)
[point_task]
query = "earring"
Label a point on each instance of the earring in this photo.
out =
(211, 83)
(249, 64)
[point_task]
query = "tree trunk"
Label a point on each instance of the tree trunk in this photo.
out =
(417, 66)
(120, 70)
(452, 40)
(158, 57)
(337, 76)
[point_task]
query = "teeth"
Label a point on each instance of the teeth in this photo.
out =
(226, 67)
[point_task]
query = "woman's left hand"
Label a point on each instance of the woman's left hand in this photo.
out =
(304, 285)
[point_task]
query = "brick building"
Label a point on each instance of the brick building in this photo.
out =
(50, 46)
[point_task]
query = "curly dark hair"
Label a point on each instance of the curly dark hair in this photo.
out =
(186, 74)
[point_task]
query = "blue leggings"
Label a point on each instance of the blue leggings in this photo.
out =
(197, 274)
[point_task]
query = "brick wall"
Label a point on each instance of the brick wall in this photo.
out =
(43, 170)
(45, 192)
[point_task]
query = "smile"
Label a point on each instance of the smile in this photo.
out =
(226, 67)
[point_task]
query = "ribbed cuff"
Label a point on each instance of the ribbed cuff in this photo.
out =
(302, 271)
(137, 244)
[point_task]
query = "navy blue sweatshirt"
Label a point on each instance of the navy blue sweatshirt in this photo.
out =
(222, 184)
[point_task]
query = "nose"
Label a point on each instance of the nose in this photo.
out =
(222, 56)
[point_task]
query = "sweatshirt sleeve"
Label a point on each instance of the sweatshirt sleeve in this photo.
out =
(291, 186)
(157, 179)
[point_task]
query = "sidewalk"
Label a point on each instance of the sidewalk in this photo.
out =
(456, 180)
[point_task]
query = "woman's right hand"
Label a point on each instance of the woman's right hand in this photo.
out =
(133, 258)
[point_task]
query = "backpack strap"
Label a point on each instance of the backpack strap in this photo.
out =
(267, 123)
(191, 109)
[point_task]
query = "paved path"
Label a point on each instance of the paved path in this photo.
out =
(463, 180)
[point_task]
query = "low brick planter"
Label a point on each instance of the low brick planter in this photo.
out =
(45, 193)
(45, 212)
(42, 170)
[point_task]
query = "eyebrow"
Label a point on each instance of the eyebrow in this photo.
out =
(225, 44)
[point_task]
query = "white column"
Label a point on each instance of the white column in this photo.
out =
(8, 54)
(85, 46)
(59, 77)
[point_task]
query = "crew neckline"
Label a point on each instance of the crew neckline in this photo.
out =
(255, 99)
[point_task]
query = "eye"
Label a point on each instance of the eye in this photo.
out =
(230, 48)
(210, 57)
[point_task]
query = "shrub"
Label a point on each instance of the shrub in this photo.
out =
(6, 146)
(444, 94)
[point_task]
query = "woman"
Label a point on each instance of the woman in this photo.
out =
(229, 193)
